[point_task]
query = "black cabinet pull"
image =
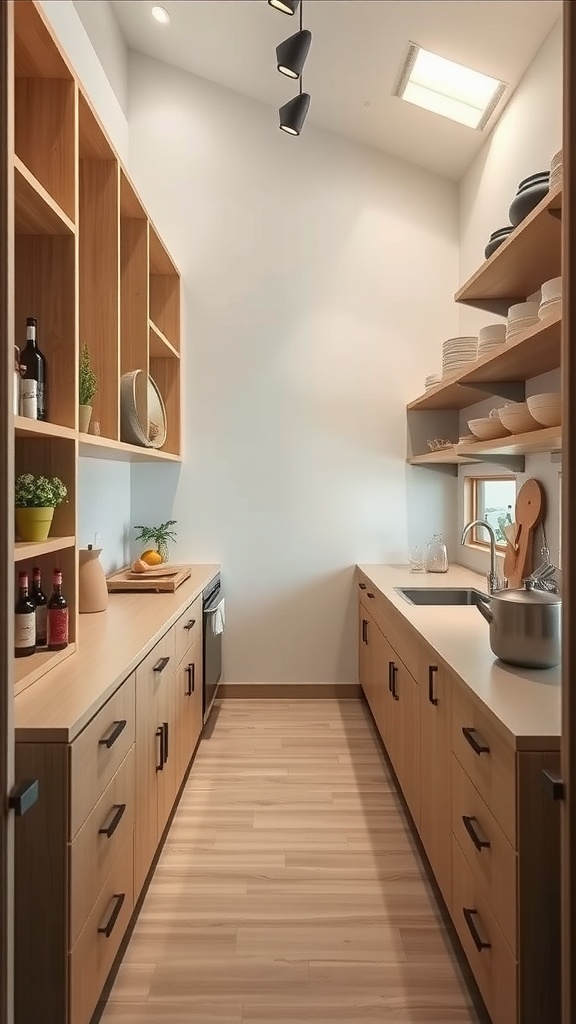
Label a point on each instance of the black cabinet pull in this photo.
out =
(362, 586)
(108, 928)
(478, 745)
(554, 784)
(165, 730)
(161, 665)
(23, 796)
(160, 732)
(390, 667)
(109, 740)
(370, 595)
(188, 625)
(109, 830)
(469, 916)
(394, 680)
(431, 670)
(469, 825)
(364, 631)
(191, 672)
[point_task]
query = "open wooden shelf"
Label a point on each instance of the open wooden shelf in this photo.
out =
(159, 346)
(104, 448)
(447, 457)
(24, 427)
(533, 442)
(531, 353)
(28, 670)
(35, 211)
(528, 257)
(25, 550)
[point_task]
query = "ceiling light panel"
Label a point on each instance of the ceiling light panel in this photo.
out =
(447, 88)
(161, 15)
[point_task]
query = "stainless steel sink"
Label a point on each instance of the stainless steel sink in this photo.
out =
(441, 595)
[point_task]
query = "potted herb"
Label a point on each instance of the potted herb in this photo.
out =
(36, 498)
(159, 536)
(87, 389)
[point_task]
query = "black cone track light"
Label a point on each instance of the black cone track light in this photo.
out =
(291, 54)
(293, 114)
(285, 6)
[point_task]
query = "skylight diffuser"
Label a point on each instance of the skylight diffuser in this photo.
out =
(448, 88)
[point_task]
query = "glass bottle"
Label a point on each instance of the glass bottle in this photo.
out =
(33, 368)
(436, 555)
(57, 616)
(24, 620)
(40, 604)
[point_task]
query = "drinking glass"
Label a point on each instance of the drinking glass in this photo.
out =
(416, 558)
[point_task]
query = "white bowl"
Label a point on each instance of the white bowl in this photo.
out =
(487, 428)
(522, 310)
(546, 409)
(552, 289)
(550, 308)
(556, 160)
(142, 412)
(492, 332)
(517, 419)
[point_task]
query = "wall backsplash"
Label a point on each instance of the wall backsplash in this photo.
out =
(104, 509)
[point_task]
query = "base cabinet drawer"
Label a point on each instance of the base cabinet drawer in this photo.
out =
(94, 952)
(97, 753)
(492, 962)
(98, 843)
(188, 629)
(487, 760)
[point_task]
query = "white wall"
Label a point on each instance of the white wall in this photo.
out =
(318, 276)
(100, 23)
(104, 509)
(524, 140)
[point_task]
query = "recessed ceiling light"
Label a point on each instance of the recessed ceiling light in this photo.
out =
(161, 15)
(447, 88)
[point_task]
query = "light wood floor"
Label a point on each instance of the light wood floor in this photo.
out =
(289, 889)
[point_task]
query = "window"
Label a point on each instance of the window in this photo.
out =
(492, 499)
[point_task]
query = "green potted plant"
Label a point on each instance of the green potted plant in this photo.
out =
(36, 498)
(159, 536)
(87, 389)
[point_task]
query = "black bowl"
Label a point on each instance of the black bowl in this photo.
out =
(526, 200)
(539, 176)
(496, 239)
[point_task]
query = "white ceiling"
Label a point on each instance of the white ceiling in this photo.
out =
(357, 49)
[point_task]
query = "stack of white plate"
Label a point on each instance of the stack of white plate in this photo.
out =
(432, 380)
(556, 169)
(457, 353)
(490, 338)
(521, 316)
(551, 298)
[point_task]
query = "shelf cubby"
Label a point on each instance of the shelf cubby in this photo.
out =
(133, 286)
(35, 211)
(166, 374)
(159, 346)
(99, 268)
(164, 292)
(45, 456)
(26, 550)
(93, 447)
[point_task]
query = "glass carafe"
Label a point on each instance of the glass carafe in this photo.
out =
(436, 555)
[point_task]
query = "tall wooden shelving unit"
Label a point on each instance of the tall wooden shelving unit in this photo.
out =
(90, 265)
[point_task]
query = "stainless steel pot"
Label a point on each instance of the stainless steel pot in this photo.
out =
(525, 626)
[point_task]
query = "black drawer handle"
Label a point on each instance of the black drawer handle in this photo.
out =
(478, 745)
(390, 667)
(469, 916)
(161, 665)
(431, 670)
(110, 829)
(394, 681)
(362, 586)
(469, 825)
(191, 672)
(23, 796)
(370, 595)
(189, 625)
(108, 928)
(160, 732)
(109, 740)
(165, 730)
(364, 631)
(554, 784)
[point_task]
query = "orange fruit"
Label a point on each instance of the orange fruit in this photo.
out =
(151, 557)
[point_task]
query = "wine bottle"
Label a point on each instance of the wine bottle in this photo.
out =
(40, 606)
(24, 620)
(33, 368)
(57, 618)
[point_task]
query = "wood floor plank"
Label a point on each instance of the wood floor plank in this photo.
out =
(290, 888)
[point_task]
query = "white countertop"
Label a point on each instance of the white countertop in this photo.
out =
(527, 702)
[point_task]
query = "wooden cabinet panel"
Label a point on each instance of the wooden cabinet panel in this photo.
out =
(487, 760)
(435, 691)
(405, 726)
(187, 629)
(493, 964)
(153, 677)
(488, 852)
(97, 753)
(98, 942)
(98, 842)
(188, 706)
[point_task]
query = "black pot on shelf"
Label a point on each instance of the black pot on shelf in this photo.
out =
(496, 239)
(530, 192)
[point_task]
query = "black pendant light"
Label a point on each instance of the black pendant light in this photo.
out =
(291, 54)
(293, 114)
(285, 6)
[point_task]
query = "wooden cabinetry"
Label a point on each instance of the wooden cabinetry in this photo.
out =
(436, 753)
(91, 267)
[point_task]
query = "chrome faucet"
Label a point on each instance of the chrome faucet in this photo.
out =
(494, 583)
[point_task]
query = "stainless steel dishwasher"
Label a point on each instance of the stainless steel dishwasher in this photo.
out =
(214, 622)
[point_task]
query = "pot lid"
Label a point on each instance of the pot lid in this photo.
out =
(527, 595)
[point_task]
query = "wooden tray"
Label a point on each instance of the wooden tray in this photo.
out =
(164, 579)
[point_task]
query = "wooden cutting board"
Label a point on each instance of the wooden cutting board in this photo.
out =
(530, 511)
(165, 579)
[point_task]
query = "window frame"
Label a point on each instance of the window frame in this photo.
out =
(478, 538)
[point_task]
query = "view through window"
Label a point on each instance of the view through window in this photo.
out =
(492, 499)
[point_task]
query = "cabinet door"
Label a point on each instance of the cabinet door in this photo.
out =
(435, 770)
(364, 649)
(189, 706)
(382, 655)
(168, 779)
(405, 735)
(151, 706)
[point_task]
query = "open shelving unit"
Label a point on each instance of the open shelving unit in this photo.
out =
(90, 265)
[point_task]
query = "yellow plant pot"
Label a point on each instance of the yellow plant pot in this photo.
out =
(84, 417)
(33, 524)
